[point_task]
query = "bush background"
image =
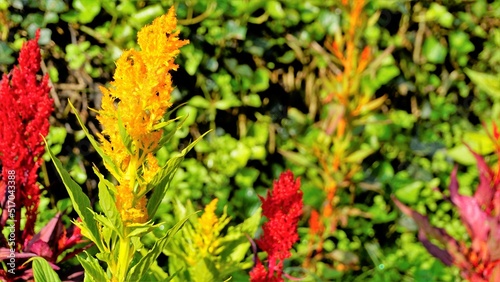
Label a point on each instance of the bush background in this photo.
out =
(254, 73)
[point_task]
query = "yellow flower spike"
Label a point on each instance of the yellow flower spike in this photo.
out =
(142, 86)
(209, 219)
(207, 228)
(138, 98)
(131, 210)
(151, 168)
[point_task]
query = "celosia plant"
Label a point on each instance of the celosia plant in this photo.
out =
(203, 252)
(24, 119)
(480, 260)
(283, 209)
(131, 130)
(135, 125)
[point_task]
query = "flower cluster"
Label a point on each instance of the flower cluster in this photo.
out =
(132, 112)
(209, 228)
(480, 213)
(24, 119)
(283, 208)
(209, 247)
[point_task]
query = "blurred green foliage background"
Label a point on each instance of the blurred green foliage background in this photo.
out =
(255, 73)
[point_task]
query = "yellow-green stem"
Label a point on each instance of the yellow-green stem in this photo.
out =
(123, 258)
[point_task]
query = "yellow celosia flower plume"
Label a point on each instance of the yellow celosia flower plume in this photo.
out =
(135, 103)
(208, 230)
(209, 219)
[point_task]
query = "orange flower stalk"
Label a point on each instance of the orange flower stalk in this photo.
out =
(132, 111)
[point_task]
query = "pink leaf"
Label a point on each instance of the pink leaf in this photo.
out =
(475, 219)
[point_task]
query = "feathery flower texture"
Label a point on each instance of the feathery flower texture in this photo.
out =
(24, 116)
(209, 229)
(206, 234)
(137, 100)
(283, 208)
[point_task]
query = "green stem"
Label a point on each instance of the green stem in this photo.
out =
(123, 258)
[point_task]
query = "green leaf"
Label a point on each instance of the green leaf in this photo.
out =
(287, 58)
(460, 42)
(204, 270)
(138, 270)
(386, 74)
(107, 160)
(275, 10)
(165, 123)
(462, 155)
(42, 272)
(440, 14)
(296, 158)
(87, 9)
(138, 230)
(166, 137)
(127, 141)
(54, 6)
(359, 155)
(487, 82)
(199, 102)
(108, 202)
(409, 193)
(434, 51)
(5, 54)
(81, 202)
(189, 113)
(252, 100)
(147, 15)
(479, 142)
(237, 249)
(93, 271)
(260, 80)
(227, 104)
(193, 58)
(161, 181)
(234, 30)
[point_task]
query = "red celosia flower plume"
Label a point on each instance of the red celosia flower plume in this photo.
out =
(283, 208)
(25, 108)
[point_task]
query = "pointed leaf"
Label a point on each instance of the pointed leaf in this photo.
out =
(81, 202)
(47, 231)
(373, 104)
(166, 137)
(161, 181)
(94, 143)
(108, 202)
(138, 270)
(138, 230)
(165, 123)
(42, 271)
(204, 270)
(423, 223)
(486, 82)
(236, 242)
(93, 271)
(359, 155)
(484, 192)
(471, 213)
(434, 250)
(296, 158)
(127, 140)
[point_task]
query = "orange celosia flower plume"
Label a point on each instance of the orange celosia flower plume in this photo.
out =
(137, 100)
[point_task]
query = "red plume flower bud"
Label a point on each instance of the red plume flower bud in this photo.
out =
(25, 109)
(283, 208)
